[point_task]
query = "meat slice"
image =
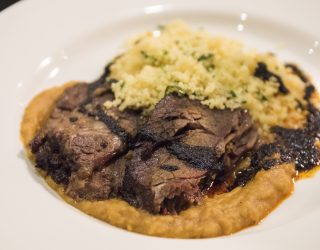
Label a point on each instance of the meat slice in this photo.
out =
(129, 120)
(197, 125)
(181, 150)
(80, 141)
(103, 182)
(161, 183)
(178, 154)
(73, 97)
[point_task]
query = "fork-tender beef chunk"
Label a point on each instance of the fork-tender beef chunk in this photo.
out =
(73, 97)
(178, 155)
(197, 125)
(152, 185)
(201, 143)
(75, 147)
(104, 182)
(129, 120)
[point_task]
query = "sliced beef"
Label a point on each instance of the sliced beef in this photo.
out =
(80, 137)
(197, 125)
(161, 183)
(129, 120)
(76, 147)
(73, 97)
(96, 94)
(181, 150)
(102, 183)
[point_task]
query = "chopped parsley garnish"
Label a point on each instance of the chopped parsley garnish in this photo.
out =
(161, 27)
(233, 94)
(174, 89)
(152, 60)
(122, 83)
(145, 54)
(205, 57)
(261, 96)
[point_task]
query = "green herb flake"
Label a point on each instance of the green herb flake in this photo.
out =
(210, 67)
(174, 89)
(161, 27)
(205, 57)
(122, 83)
(261, 96)
(151, 59)
(144, 54)
(233, 94)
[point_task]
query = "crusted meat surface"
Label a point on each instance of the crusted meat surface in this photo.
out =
(163, 167)
(77, 148)
(183, 147)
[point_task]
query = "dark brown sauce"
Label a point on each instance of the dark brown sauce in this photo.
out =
(264, 74)
(297, 71)
(112, 124)
(296, 146)
(307, 174)
(196, 156)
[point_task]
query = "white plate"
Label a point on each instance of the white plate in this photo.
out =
(45, 43)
